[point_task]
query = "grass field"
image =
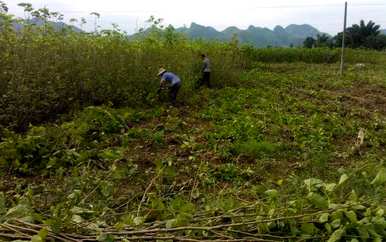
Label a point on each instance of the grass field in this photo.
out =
(273, 157)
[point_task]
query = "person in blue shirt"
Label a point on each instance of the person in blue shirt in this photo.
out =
(172, 81)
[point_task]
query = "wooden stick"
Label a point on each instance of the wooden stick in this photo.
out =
(146, 191)
(36, 232)
(41, 227)
(221, 226)
(13, 236)
(14, 230)
(263, 235)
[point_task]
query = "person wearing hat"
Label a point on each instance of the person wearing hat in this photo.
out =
(172, 80)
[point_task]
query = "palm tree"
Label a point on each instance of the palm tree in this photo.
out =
(3, 7)
(367, 29)
(357, 34)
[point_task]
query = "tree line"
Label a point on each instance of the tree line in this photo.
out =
(362, 35)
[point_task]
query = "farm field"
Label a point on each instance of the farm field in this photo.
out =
(284, 152)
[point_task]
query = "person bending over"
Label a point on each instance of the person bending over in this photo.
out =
(172, 81)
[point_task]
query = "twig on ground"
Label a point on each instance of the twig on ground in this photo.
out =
(50, 234)
(210, 228)
(96, 187)
(66, 236)
(146, 191)
(14, 236)
(262, 235)
(14, 230)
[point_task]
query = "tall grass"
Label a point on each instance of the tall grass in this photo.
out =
(46, 73)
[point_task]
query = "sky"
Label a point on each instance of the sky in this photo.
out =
(131, 15)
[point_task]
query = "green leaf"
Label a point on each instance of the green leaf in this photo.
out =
(324, 218)
(139, 220)
(337, 235)
(373, 233)
(19, 211)
(43, 233)
(353, 196)
(338, 214)
(343, 179)
(77, 219)
(105, 238)
(272, 193)
(380, 178)
(79, 210)
(309, 229)
(328, 227)
(352, 216)
(313, 184)
(37, 238)
(336, 223)
(317, 200)
(359, 207)
(380, 212)
(379, 221)
(330, 187)
(171, 223)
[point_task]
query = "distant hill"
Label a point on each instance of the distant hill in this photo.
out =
(257, 36)
(383, 31)
(57, 26)
(302, 31)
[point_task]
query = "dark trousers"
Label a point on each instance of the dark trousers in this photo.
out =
(205, 79)
(173, 92)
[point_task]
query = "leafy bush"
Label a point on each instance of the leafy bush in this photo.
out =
(34, 151)
(51, 147)
(316, 55)
(46, 73)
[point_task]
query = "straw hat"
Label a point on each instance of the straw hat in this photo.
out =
(161, 71)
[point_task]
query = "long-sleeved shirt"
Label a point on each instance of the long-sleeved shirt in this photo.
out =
(171, 78)
(206, 65)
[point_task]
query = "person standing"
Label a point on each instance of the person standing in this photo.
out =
(206, 69)
(172, 81)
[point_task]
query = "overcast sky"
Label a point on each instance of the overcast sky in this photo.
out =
(130, 15)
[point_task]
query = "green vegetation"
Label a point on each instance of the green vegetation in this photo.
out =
(369, 36)
(283, 149)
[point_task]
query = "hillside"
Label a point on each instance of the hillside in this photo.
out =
(257, 36)
(57, 26)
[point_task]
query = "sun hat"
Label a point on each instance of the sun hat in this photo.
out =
(161, 71)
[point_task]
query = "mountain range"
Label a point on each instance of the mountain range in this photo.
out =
(292, 35)
(257, 36)
(57, 26)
